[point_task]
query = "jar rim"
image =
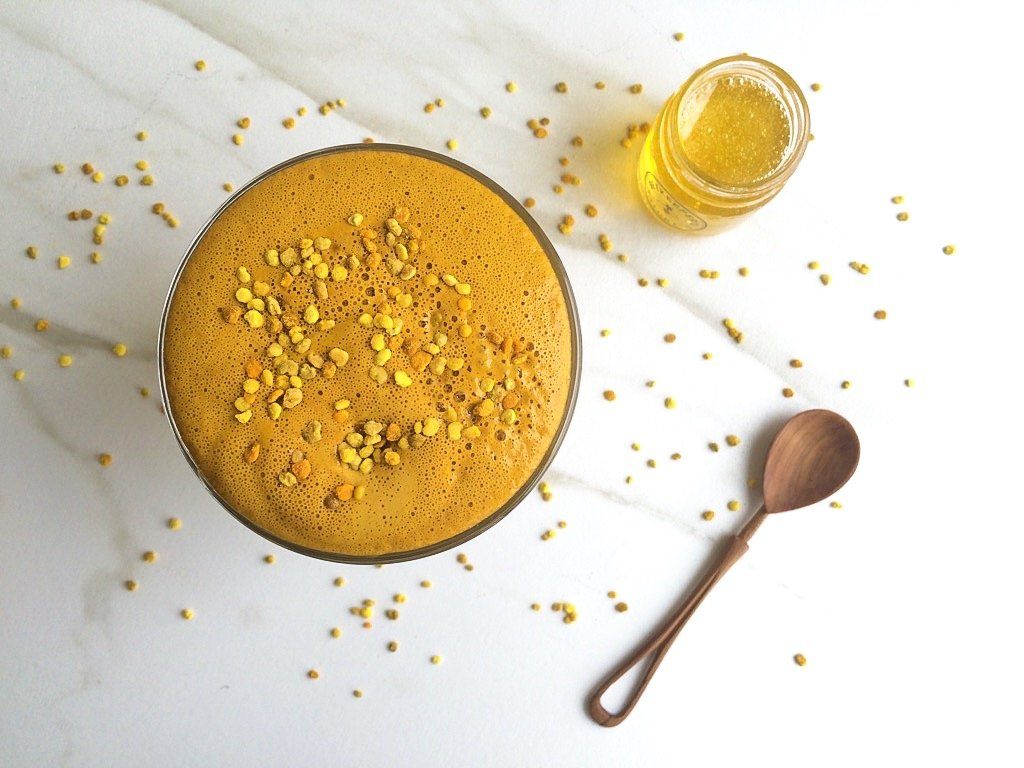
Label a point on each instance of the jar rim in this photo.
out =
(793, 100)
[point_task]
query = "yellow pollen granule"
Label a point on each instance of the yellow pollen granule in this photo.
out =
(200, 65)
(511, 87)
(65, 361)
(120, 349)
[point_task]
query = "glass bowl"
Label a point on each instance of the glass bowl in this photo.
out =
(573, 373)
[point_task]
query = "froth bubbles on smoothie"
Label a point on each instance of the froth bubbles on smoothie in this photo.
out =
(368, 352)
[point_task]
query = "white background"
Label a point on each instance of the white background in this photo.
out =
(905, 601)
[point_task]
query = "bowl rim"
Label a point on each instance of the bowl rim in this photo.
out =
(574, 373)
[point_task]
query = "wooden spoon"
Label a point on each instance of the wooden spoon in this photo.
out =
(811, 457)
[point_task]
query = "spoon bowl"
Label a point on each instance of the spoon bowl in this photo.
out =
(811, 457)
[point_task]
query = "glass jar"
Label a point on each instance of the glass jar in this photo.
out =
(723, 145)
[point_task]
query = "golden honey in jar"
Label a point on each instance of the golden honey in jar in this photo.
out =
(723, 145)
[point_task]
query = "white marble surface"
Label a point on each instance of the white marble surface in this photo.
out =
(903, 601)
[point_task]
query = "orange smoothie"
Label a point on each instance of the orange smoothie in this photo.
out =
(367, 353)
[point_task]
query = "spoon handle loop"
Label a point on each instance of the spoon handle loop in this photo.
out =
(658, 643)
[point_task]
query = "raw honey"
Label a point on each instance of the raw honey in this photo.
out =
(723, 145)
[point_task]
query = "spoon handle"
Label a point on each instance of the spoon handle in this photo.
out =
(657, 645)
